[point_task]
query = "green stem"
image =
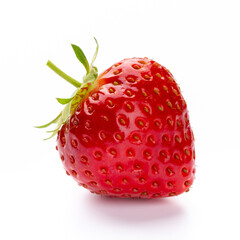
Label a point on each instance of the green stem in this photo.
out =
(71, 80)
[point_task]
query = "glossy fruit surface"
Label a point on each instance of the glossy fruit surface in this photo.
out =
(130, 134)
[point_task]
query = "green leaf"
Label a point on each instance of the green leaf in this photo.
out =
(53, 134)
(79, 94)
(64, 100)
(81, 57)
(48, 124)
(65, 113)
(96, 52)
(92, 76)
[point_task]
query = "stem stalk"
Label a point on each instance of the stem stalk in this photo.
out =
(69, 79)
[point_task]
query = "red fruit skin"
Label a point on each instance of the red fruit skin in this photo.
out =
(131, 136)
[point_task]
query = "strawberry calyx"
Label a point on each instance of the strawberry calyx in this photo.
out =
(82, 89)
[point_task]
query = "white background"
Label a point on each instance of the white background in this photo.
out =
(198, 41)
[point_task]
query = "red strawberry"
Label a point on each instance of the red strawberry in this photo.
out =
(126, 133)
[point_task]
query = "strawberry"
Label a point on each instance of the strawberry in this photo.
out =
(126, 132)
